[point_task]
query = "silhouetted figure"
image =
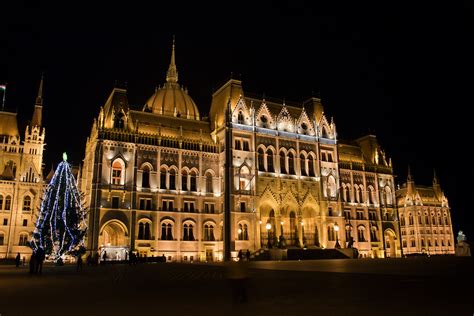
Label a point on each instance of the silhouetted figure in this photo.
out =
(104, 256)
(240, 255)
(79, 263)
(24, 261)
(17, 260)
(247, 255)
(164, 258)
(40, 256)
(33, 263)
(89, 260)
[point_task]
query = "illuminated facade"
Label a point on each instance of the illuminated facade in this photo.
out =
(21, 180)
(154, 178)
(425, 219)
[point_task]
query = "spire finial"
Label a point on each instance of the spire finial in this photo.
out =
(39, 98)
(435, 177)
(409, 177)
(172, 74)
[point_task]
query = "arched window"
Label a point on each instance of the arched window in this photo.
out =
(388, 195)
(357, 193)
(283, 163)
(311, 166)
(117, 172)
(244, 183)
(270, 167)
(303, 165)
(433, 219)
(140, 231)
(192, 181)
(147, 231)
(166, 231)
(348, 232)
(445, 219)
(245, 232)
(361, 233)
(162, 178)
(2, 239)
(361, 194)
(371, 195)
(8, 203)
(23, 239)
(172, 179)
(240, 118)
(209, 232)
(410, 219)
(402, 220)
(1, 202)
(427, 219)
(184, 180)
(146, 176)
(26, 204)
(373, 233)
(291, 163)
(240, 232)
(261, 159)
(422, 242)
(332, 186)
(188, 232)
(439, 220)
(209, 186)
(264, 121)
(419, 218)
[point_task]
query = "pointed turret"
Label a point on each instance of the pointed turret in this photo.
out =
(172, 74)
(436, 185)
(435, 178)
(410, 183)
(38, 112)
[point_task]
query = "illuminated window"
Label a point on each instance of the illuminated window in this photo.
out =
(361, 233)
(209, 187)
(146, 176)
(238, 144)
(188, 232)
(166, 231)
(311, 166)
(117, 172)
(240, 118)
(26, 204)
(192, 181)
(283, 169)
(291, 163)
(209, 232)
(23, 240)
(8, 203)
(172, 179)
(270, 167)
(246, 145)
(261, 159)
(162, 178)
(331, 233)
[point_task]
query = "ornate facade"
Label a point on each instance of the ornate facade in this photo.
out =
(425, 219)
(21, 180)
(154, 178)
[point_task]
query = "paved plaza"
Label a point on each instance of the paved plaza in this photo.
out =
(415, 286)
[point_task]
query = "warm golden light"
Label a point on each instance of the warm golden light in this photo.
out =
(336, 227)
(268, 226)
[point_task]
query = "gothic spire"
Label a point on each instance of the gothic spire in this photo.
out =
(409, 177)
(38, 112)
(435, 178)
(172, 74)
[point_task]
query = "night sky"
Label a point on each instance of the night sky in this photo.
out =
(403, 72)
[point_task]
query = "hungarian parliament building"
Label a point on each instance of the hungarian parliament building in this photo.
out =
(156, 182)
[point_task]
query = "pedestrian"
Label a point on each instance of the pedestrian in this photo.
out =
(79, 263)
(247, 254)
(17, 260)
(240, 255)
(40, 256)
(24, 261)
(33, 263)
(163, 258)
(89, 260)
(104, 256)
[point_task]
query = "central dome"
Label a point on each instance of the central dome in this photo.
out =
(172, 99)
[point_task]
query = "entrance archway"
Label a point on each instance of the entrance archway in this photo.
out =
(113, 241)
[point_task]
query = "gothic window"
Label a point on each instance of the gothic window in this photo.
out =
(147, 231)
(445, 219)
(2, 238)
(166, 231)
(119, 121)
(361, 233)
(146, 176)
(240, 232)
(303, 165)
(422, 242)
(427, 219)
(371, 195)
(388, 195)
(238, 144)
(242, 207)
(332, 186)
(291, 163)
(209, 232)
(373, 234)
(348, 232)
(172, 179)
(293, 229)
(331, 233)
(162, 178)
(193, 181)
(245, 232)
(261, 159)
(311, 165)
(209, 188)
(184, 180)
(1, 202)
(419, 218)
(283, 163)
(270, 167)
(26, 204)
(240, 118)
(246, 145)
(140, 231)
(117, 172)
(410, 219)
(188, 232)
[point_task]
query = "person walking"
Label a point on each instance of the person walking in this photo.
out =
(40, 256)
(247, 255)
(17, 260)
(33, 263)
(104, 256)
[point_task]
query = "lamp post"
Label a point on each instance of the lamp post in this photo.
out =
(268, 227)
(336, 229)
(261, 234)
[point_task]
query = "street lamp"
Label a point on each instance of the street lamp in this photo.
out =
(268, 227)
(336, 229)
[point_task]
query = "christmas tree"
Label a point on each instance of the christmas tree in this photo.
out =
(61, 225)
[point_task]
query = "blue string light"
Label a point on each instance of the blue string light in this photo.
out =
(61, 225)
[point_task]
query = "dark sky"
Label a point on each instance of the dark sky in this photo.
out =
(403, 72)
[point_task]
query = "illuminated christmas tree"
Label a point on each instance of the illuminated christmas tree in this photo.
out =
(61, 225)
